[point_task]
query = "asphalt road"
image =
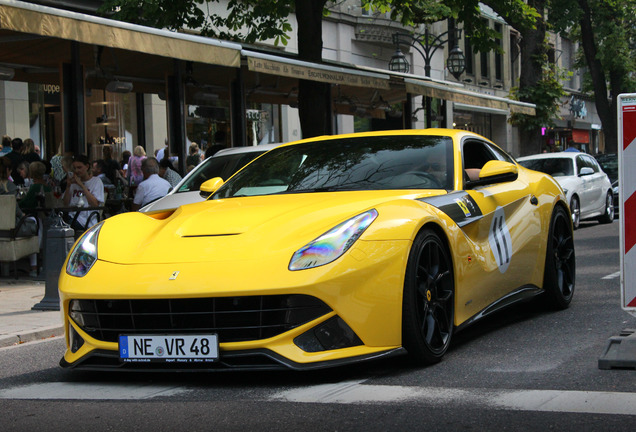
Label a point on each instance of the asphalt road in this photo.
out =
(523, 369)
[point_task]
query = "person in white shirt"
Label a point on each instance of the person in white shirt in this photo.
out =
(83, 190)
(152, 187)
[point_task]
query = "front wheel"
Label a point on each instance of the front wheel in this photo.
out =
(608, 213)
(560, 263)
(429, 300)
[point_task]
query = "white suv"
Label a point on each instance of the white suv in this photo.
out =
(586, 186)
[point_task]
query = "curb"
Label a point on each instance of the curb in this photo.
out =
(43, 333)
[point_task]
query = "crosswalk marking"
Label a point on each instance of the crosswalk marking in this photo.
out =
(522, 400)
(612, 276)
(88, 391)
(356, 392)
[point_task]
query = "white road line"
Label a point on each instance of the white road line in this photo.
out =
(95, 391)
(612, 276)
(354, 392)
(520, 400)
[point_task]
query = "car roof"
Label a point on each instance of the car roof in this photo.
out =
(564, 155)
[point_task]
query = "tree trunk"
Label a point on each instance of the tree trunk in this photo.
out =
(606, 112)
(314, 98)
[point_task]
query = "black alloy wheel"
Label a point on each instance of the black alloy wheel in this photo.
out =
(560, 263)
(429, 299)
(608, 213)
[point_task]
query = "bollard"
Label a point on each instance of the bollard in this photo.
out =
(60, 238)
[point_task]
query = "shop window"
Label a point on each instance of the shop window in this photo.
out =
(111, 118)
(470, 55)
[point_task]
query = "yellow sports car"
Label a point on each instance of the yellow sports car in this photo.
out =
(321, 252)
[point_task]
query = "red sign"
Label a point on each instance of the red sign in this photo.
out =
(627, 181)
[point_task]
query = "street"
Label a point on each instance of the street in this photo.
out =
(522, 369)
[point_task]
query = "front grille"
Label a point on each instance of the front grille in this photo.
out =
(234, 319)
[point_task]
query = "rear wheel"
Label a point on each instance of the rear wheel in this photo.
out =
(560, 264)
(608, 214)
(575, 210)
(429, 300)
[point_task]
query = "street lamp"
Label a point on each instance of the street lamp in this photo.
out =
(427, 44)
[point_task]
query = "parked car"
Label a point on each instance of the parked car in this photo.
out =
(223, 164)
(588, 189)
(609, 163)
(326, 251)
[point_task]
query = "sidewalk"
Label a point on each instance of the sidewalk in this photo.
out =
(20, 324)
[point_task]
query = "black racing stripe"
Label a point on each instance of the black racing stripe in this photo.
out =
(459, 206)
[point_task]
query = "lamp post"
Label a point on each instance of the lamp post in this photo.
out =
(427, 44)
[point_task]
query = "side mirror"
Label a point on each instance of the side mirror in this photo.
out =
(585, 171)
(495, 171)
(208, 187)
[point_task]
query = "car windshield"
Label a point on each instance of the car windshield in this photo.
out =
(348, 164)
(217, 166)
(556, 167)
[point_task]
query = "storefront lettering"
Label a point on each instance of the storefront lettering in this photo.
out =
(50, 88)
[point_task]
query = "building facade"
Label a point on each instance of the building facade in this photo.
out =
(219, 100)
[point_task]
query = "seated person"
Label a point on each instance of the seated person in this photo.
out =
(167, 172)
(38, 186)
(29, 227)
(83, 190)
(152, 187)
(99, 170)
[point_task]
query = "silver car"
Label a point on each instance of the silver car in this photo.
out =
(587, 187)
(222, 164)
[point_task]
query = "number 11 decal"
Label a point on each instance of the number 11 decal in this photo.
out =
(500, 241)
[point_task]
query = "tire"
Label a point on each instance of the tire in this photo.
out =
(608, 213)
(429, 299)
(575, 209)
(560, 263)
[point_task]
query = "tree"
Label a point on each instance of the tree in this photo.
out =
(538, 83)
(606, 30)
(246, 21)
(252, 20)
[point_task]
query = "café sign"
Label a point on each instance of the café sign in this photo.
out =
(315, 73)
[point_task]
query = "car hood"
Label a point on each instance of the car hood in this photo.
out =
(243, 228)
(570, 183)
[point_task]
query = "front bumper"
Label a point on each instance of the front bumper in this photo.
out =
(363, 289)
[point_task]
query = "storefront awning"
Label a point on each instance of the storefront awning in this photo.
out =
(465, 97)
(50, 22)
(291, 68)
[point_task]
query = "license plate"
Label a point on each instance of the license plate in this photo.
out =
(169, 348)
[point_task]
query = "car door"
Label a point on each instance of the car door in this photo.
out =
(585, 186)
(504, 238)
(590, 185)
(597, 184)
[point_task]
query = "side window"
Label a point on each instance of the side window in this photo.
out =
(475, 154)
(591, 162)
(501, 155)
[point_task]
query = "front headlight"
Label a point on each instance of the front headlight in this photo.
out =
(84, 254)
(332, 244)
